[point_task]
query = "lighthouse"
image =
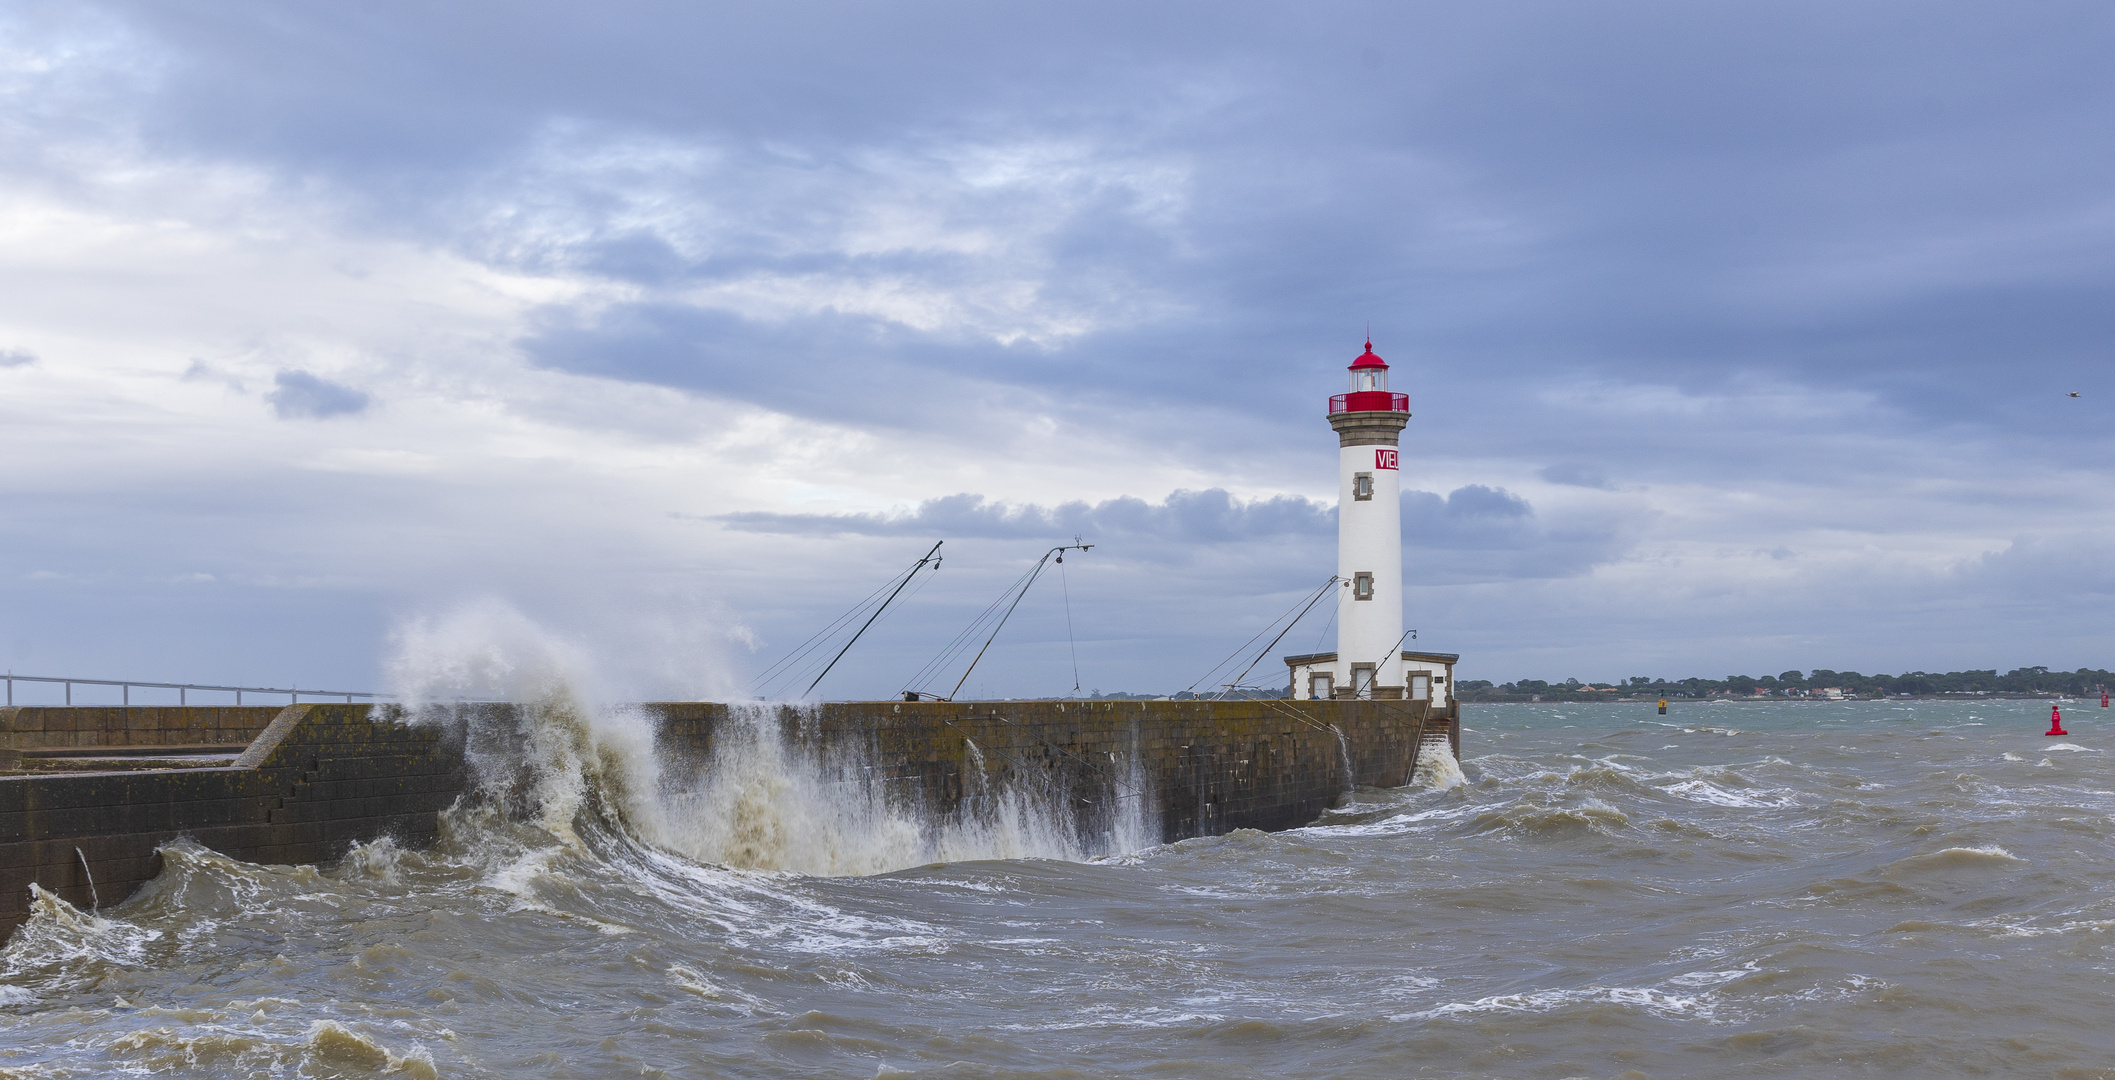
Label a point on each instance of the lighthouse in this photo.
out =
(1369, 661)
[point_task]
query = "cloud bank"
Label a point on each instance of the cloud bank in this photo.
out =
(1737, 339)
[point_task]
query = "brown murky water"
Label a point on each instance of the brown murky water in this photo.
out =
(1863, 889)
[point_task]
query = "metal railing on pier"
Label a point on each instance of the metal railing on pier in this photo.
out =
(183, 690)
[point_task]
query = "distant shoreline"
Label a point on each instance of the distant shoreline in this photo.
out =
(1602, 699)
(1821, 684)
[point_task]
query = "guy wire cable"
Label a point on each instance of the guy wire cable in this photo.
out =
(930, 556)
(1408, 635)
(806, 662)
(1069, 642)
(1058, 551)
(961, 640)
(1242, 648)
(834, 623)
(1324, 635)
(1233, 657)
(800, 653)
(1319, 593)
(1316, 599)
(785, 669)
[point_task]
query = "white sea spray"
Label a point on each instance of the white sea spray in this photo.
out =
(547, 748)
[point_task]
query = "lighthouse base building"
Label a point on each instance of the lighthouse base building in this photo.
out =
(1427, 676)
(1370, 662)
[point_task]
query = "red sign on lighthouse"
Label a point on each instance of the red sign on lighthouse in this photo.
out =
(1384, 458)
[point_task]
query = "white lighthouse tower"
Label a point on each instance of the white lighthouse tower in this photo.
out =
(1369, 661)
(1369, 421)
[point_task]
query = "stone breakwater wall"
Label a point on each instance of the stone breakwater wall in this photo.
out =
(1205, 767)
(84, 727)
(88, 790)
(298, 784)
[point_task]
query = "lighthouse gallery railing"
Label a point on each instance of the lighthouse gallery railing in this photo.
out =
(1369, 401)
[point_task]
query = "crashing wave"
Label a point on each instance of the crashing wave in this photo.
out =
(769, 795)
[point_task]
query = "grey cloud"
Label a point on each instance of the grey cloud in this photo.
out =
(847, 366)
(300, 394)
(2066, 565)
(1211, 516)
(1469, 517)
(1823, 201)
(872, 372)
(16, 358)
(1804, 247)
(1576, 474)
(1479, 532)
(1476, 501)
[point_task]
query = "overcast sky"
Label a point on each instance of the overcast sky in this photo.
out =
(1738, 336)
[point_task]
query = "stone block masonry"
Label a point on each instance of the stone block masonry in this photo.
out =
(311, 780)
(30, 727)
(1208, 767)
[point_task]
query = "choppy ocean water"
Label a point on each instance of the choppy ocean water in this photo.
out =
(1747, 889)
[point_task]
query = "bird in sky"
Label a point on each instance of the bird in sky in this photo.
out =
(2074, 393)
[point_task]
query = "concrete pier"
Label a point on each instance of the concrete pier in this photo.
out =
(104, 788)
(1210, 766)
(99, 790)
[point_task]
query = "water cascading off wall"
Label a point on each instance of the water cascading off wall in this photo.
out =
(1436, 765)
(756, 785)
(773, 794)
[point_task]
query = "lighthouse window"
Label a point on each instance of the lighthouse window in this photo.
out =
(1362, 585)
(1421, 687)
(1321, 686)
(1362, 486)
(1362, 680)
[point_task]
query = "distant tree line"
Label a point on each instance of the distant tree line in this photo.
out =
(2022, 682)
(1245, 694)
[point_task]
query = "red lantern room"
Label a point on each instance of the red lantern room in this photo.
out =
(1369, 388)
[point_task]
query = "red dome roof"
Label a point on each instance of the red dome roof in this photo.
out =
(1368, 360)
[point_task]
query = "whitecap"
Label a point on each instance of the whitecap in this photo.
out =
(1957, 858)
(1712, 978)
(1401, 823)
(1657, 1002)
(696, 982)
(2096, 926)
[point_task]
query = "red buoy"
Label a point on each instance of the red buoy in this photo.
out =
(2056, 723)
(2103, 699)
